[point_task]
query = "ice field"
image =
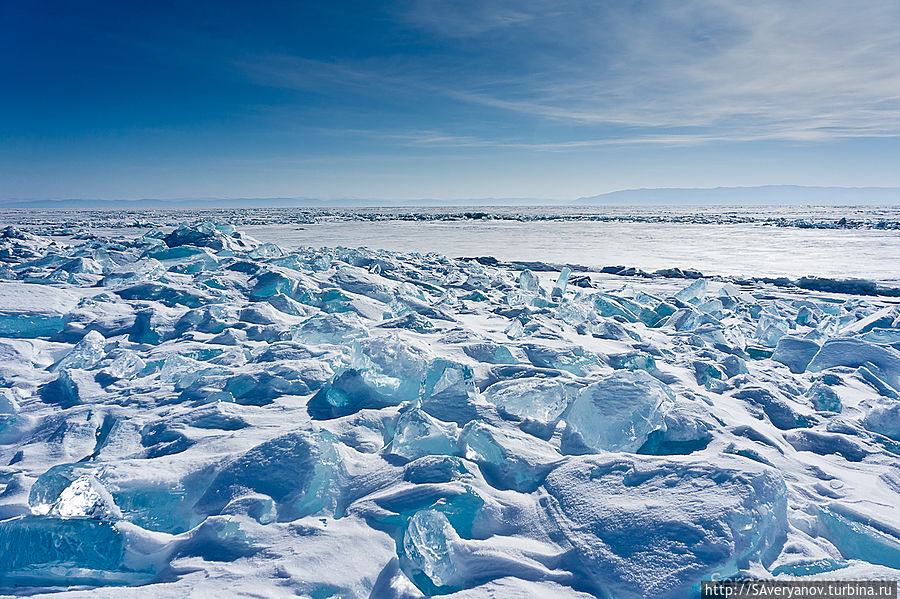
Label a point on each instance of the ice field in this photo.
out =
(218, 405)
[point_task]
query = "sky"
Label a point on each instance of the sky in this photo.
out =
(443, 99)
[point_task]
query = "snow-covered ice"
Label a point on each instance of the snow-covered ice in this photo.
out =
(193, 412)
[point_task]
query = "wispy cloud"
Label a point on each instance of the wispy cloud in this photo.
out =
(468, 18)
(693, 72)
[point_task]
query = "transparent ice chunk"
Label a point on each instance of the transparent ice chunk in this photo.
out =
(823, 397)
(694, 292)
(266, 250)
(529, 282)
(538, 399)
(127, 365)
(449, 392)
(418, 434)
(619, 411)
(86, 497)
(795, 352)
(429, 545)
(490, 352)
(559, 289)
(297, 471)
(86, 353)
(515, 330)
(510, 459)
(330, 328)
(40, 550)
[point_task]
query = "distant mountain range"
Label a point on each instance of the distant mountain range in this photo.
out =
(775, 195)
(765, 195)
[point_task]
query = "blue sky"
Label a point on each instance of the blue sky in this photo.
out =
(444, 99)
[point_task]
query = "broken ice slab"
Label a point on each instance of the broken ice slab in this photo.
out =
(571, 358)
(694, 292)
(884, 419)
(274, 280)
(608, 328)
(508, 458)
(771, 328)
(70, 387)
(358, 281)
(490, 352)
(18, 245)
(515, 330)
(882, 336)
(861, 537)
(827, 444)
(48, 551)
(883, 318)
(86, 497)
(8, 409)
(298, 473)
(127, 364)
(216, 236)
(86, 353)
(357, 389)
(537, 399)
(529, 282)
(289, 306)
(77, 271)
(262, 387)
(167, 294)
(683, 319)
(438, 557)
(774, 405)
(202, 261)
(392, 362)
(559, 289)
(330, 328)
(429, 544)
(619, 411)
(608, 305)
(853, 352)
(266, 250)
(795, 352)
(29, 310)
(417, 435)
(688, 428)
(823, 397)
(632, 360)
(146, 269)
(449, 392)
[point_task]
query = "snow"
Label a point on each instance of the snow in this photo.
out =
(651, 527)
(28, 310)
(193, 412)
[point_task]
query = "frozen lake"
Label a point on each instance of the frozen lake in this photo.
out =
(838, 242)
(189, 410)
(724, 249)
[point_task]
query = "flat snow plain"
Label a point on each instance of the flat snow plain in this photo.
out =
(191, 412)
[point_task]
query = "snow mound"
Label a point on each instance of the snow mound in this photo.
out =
(648, 527)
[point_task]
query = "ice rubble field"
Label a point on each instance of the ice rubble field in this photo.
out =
(193, 412)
